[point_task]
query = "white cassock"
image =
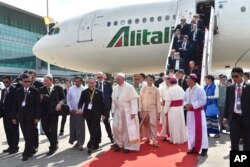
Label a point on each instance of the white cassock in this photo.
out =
(163, 91)
(125, 130)
(196, 118)
(175, 113)
(77, 122)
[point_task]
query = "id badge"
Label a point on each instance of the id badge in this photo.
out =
(90, 106)
(23, 103)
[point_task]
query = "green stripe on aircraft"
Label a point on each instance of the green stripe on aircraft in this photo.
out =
(124, 37)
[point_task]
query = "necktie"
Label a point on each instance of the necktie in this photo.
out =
(239, 92)
(100, 86)
(48, 90)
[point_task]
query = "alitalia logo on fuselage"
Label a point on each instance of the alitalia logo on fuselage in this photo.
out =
(125, 37)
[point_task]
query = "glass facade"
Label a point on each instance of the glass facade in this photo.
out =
(19, 31)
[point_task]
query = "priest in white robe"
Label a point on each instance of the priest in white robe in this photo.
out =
(77, 122)
(164, 87)
(175, 111)
(125, 113)
(194, 101)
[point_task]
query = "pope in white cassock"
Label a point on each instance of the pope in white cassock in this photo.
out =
(194, 101)
(175, 111)
(125, 112)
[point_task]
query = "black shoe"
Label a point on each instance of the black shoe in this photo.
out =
(61, 134)
(25, 158)
(126, 151)
(7, 150)
(96, 147)
(112, 140)
(90, 151)
(117, 149)
(114, 145)
(13, 151)
(51, 152)
(34, 151)
(203, 152)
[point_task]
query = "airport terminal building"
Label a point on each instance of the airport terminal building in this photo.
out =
(19, 31)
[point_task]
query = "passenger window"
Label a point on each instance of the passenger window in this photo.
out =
(174, 17)
(109, 24)
(122, 22)
(51, 31)
(167, 17)
(159, 18)
(115, 23)
(57, 30)
(137, 21)
(144, 20)
(152, 19)
(243, 9)
(129, 21)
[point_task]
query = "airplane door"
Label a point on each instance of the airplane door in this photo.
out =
(85, 28)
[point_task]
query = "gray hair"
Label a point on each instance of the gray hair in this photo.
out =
(49, 76)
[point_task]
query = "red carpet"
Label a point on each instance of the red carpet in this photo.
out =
(167, 155)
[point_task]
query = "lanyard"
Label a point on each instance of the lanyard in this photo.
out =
(91, 96)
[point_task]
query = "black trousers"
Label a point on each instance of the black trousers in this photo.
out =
(93, 123)
(107, 127)
(63, 121)
(27, 128)
(12, 132)
(50, 125)
(36, 136)
(239, 129)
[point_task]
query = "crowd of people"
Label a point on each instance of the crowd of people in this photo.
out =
(176, 101)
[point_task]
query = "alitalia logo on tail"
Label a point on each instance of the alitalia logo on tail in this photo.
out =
(124, 37)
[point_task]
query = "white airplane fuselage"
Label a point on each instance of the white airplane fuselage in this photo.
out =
(104, 40)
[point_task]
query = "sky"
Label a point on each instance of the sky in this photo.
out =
(61, 10)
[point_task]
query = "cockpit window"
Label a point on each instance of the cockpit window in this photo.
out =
(54, 30)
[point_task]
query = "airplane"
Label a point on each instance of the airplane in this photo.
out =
(137, 38)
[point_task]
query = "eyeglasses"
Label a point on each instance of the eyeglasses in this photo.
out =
(27, 81)
(6, 82)
(235, 76)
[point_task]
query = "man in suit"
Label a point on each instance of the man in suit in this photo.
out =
(193, 70)
(6, 104)
(160, 80)
(182, 79)
(183, 27)
(92, 104)
(27, 111)
(52, 98)
(171, 57)
(196, 38)
(36, 84)
(178, 63)
(177, 39)
(236, 113)
(184, 48)
(107, 90)
(64, 114)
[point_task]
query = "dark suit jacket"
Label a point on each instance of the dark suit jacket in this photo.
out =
(49, 102)
(245, 103)
(37, 85)
(177, 42)
(199, 36)
(97, 103)
(181, 64)
(188, 45)
(107, 93)
(170, 59)
(183, 83)
(184, 29)
(158, 82)
(31, 111)
(7, 106)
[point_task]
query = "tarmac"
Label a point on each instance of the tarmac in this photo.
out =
(67, 156)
